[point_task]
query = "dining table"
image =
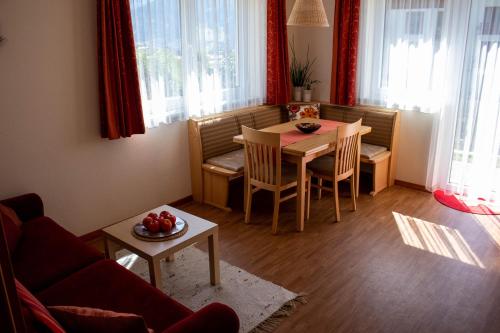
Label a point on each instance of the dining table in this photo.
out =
(300, 148)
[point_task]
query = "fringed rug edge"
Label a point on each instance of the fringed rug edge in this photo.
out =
(272, 322)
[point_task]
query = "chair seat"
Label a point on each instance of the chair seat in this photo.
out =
(289, 173)
(322, 166)
(234, 160)
(369, 151)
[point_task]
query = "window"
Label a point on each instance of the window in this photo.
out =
(443, 57)
(197, 57)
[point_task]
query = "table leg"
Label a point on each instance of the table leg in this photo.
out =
(154, 272)
(245, 185)
(213, 255)
(358, 159)
(301, 193)
(170, 258)
(110, 248)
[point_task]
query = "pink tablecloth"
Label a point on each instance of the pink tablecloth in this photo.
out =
(295, 135)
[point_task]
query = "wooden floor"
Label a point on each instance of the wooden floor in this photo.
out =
(401, 263)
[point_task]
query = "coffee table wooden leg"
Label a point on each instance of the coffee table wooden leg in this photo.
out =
(170, 258)
(213, 254)
(155, 272)
(110, 248)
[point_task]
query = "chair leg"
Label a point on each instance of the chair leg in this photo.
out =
(336, 200)
(248, 203)
(353, 192)
(276, 212)
(308, 199)
(320, 183)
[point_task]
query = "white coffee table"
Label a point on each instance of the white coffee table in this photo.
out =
(119, 236)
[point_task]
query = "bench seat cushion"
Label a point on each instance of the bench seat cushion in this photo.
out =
(234, 160)
(369, 151)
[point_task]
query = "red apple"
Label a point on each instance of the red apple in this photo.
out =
(164, 213)
(153, 215)
(154, 226)
(147, 221)
(172, 218)
(165, 224)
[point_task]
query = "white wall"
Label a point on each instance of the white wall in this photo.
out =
(320, 41)
(416, 127)
(49, 124)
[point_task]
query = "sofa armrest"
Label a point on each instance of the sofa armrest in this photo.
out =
(27, 206)
(215, 317)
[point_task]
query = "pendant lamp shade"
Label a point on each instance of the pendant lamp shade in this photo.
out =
(308, 13)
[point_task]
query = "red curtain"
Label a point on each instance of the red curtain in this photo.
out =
(278, 72)
(345, 52)
(119, 92)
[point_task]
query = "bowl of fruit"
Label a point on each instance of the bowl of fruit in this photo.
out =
(308, 128)
(159, 227)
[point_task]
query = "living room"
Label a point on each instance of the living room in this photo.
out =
(406, 239)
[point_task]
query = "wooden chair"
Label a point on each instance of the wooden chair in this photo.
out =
(265, 171)
(339, 167)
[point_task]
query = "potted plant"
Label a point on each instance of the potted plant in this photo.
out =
(300, 73)
(307, 93)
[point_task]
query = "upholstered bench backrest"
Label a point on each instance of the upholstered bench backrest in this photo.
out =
(216, 133)
(217, 136)
(380, 120)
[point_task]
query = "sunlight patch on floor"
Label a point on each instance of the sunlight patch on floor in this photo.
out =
(128, 261)
(435, 238)
(491, 224)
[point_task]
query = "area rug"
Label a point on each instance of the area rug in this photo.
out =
(260, 304)
(473, 206)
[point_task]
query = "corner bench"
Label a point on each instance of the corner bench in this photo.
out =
(378, 148)
(216, 160)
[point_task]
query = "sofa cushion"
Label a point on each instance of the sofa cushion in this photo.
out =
(47, 253)
(10, 214)
(11, 227)
(269, 117)
(36, 309)
(217, 136)
(369, 151)
(77, 319)
(27, 206)
(234, 160)
(109, 286)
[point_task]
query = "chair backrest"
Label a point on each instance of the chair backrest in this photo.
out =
(262, 156)
(346, 150)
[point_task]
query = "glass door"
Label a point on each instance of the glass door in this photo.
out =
(475, 166)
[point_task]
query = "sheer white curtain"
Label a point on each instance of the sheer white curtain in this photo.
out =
(430, 55)
(198, 57)
(406, 60)
(475, 163)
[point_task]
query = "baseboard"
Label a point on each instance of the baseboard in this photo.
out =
(181, 201)
(96, 234)
(411, 185)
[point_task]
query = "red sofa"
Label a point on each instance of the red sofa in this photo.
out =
(60, 269)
